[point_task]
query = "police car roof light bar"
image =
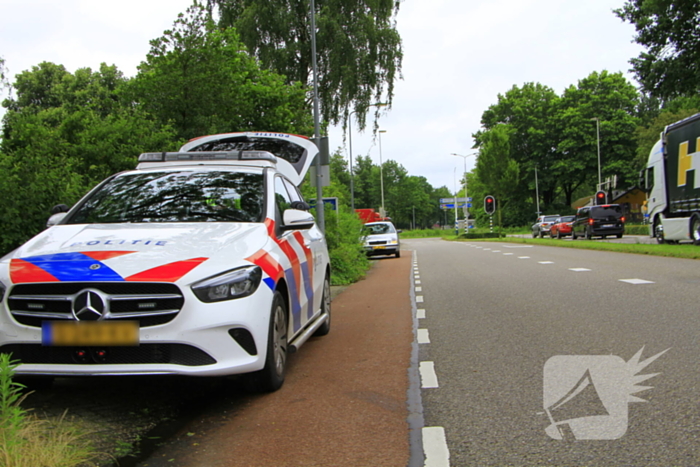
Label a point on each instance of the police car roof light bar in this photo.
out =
(207, 156)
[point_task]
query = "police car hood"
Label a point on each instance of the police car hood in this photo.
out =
(157, 252)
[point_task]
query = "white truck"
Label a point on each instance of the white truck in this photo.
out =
(672, 183)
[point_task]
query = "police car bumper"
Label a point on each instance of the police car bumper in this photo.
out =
(204, 339)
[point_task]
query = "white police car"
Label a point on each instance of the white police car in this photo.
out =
(202, 262)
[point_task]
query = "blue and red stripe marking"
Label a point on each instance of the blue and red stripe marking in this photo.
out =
(296, 275)
(88, 267)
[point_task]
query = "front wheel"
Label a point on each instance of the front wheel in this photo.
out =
(325, 308)
(695, 228)
(573, 234)
(558, 235)
(271, 377)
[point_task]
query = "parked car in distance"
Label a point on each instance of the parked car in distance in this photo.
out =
(598, 221)
(381, 238)
(561, 227)
(543, 224)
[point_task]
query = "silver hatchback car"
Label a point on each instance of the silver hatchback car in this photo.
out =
(381, 238)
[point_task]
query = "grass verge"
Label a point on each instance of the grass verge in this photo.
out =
(686, 251)
(27, 441)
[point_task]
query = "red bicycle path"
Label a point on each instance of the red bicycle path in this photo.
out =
(344, 400)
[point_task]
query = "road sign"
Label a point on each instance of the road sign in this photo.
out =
(452, 200)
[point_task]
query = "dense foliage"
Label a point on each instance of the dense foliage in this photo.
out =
(200, 79)
(669, 30)
(358, 47)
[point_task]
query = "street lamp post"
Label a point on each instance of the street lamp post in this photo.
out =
(352, 176)
(597, 131)
(381, 173)
(466, 199)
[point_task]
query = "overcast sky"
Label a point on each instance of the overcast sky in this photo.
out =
(458, 56)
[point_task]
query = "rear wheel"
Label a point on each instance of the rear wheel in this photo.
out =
(558, 235)
(325, 308)
(573, 234)
(271, 377)
(541, 234)
(619, 235)
(587, 234)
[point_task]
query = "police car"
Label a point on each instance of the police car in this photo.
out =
(201, 262)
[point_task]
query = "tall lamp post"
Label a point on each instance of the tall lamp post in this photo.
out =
(381, 173)
(597, 131)
(466, 199)
(352, 176)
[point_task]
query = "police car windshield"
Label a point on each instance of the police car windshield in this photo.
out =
(182, 196)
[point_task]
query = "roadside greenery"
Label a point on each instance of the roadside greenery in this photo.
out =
(26, 441)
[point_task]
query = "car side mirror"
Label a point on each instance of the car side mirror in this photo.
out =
(399, 231)
(295, 219)
(55, 219)
(59, 208)
(300, 205)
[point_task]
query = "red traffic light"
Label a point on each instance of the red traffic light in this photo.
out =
(490, 204)
(601, 197)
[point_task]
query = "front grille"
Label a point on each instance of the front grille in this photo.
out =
(177, 354)
(149, 303)
(378, 242)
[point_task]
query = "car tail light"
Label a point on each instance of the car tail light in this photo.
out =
(590, 221)
(622, 219)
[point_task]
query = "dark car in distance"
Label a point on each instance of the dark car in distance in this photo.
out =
(598, 221)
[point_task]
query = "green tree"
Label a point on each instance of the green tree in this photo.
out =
(530, 113)
(3, 74)
(611, 99)
(358, 47)
(497, 171)
(669, 31)
(62, 134)
(201, 80)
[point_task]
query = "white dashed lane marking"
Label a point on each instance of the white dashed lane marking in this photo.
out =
(435, 447)
(427, 375)
(636, 281)
(423, 336)
(419, 299)
(579, 269)
(420, 313)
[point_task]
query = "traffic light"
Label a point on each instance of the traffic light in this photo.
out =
(601, 197)
(490, 205)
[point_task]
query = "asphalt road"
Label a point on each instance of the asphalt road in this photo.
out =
(495, 314)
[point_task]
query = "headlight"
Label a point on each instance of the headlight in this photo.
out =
(237, 283)
(393, 242)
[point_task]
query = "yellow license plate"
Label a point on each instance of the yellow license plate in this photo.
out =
(59, 333)
(379, 247)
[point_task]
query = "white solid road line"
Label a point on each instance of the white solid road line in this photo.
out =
(423, 337)
(427, 375)
(435, 447)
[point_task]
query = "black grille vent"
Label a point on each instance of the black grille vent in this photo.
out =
(177, 354)
(149, 303)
